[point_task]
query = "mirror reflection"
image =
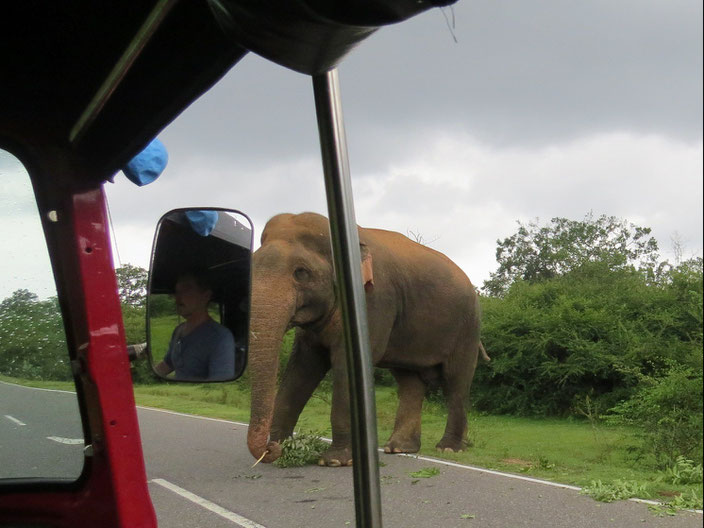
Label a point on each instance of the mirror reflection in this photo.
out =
(199, 293)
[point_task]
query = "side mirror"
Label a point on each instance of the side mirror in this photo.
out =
(199, 295)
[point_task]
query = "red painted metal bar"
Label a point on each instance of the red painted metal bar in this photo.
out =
(105, 358)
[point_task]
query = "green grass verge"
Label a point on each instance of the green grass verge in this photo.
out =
(41, 384)
(216, 400)
(560, 450)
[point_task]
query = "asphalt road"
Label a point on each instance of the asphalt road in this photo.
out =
(40, 433)
(200, 475)
(209, 459)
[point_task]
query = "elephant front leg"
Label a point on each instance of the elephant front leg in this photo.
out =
(340, 451)
(307, 366)
(411, 391)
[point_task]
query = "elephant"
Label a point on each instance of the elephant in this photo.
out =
(423, 318)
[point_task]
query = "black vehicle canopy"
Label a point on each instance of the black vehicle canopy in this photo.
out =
(99, 80)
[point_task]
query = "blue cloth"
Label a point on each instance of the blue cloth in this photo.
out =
(148, 165)
(202, 222)
(207, 353)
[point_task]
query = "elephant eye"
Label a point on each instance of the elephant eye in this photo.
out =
(301, 274)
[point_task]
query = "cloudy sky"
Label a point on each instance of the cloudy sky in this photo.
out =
(523, 110)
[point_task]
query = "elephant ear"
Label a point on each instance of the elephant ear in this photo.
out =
(367, 268)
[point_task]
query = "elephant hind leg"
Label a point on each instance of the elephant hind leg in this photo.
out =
(411, 391)
(457, 378)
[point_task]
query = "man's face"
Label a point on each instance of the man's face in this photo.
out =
(190, 298)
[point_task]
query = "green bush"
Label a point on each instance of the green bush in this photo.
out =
(161, 305)
(383, 377)
(668, 411)
(32, 339)
(614, 491)
(592, 332)
(684, 471)
(134, 319)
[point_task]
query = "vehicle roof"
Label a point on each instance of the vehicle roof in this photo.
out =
(55, 56)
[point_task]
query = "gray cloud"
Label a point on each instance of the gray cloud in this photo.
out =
(542, 109)
(532, 72)
(521, 73)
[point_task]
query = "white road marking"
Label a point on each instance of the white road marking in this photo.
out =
(69, 441)
(15, 420)
(205, 503)
(489, 471)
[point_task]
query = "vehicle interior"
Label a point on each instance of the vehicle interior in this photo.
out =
(85, 87)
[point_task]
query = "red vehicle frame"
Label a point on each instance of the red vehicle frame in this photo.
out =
(112, 491)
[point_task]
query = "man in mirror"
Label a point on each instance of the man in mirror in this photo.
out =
(200, 348)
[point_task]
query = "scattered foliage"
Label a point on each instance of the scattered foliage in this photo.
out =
(615, 491)
(691, 500)
(426, 472)
(300, 450)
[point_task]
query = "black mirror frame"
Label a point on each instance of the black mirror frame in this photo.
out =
(159, 224)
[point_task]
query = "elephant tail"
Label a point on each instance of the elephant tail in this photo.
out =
(482, 351)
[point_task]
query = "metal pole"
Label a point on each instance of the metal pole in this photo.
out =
(346, 257)
(123, 65)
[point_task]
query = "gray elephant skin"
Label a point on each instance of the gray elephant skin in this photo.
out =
(424, 324)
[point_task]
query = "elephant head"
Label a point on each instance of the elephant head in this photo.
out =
(292, 286)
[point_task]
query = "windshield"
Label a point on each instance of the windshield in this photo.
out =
(40, 425)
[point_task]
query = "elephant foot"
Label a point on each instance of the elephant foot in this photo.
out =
(394, 446)
(451, 446)
(336, 457)
(448, 450)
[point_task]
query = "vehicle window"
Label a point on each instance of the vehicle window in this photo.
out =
(40, 425)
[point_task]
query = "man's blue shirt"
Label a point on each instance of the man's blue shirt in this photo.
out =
(208, 352)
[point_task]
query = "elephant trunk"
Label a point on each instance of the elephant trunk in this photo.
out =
(272, 308)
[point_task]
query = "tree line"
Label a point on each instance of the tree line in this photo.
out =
(583, 318)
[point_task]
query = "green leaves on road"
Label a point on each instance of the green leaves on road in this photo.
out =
(426, 472)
